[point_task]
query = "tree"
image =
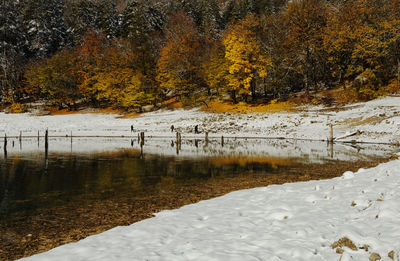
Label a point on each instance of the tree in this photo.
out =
(56, 78)
(378, 38)
(282, 74)
(216, 70)
(108, 74)
(247, 60)
(44, 26)
(178, 65)
(12, 39)
(306, 20)
(142, 24)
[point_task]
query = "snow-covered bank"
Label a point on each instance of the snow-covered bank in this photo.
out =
(297, 221)
(376, 121)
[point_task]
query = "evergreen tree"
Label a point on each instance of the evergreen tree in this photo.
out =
(44, 26)
(107, 17)
(81, 16)
(12, 40)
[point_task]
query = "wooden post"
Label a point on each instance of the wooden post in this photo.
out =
(331, 133)
(142, 138)
(138, 138)
(141, 149)
(206, 138)
(46, 142)
(5, 145)
(20, 136)
(222, 141)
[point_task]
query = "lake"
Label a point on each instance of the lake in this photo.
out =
(85, 186)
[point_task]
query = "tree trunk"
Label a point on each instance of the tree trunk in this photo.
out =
(253, 91)
(233, 96)
(398, 73)
(265, 89)
(341, 80)
(307, 87)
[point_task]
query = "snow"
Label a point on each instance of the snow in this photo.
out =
(377, 121)
(295, 221)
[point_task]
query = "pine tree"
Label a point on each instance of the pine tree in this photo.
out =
(12, 40)
(44, 26)
(81, 16)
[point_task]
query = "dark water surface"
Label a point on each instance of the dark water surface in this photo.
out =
(29, 180)
(33, 184)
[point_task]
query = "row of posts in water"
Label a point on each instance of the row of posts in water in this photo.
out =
(141, 140)
(178, 141)
(46, 141)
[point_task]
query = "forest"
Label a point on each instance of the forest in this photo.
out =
(133, 53)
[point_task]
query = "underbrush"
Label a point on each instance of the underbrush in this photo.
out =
(16, 107)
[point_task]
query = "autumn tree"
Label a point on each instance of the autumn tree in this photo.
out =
(340, 39)
(178, 65)
(377, 41)
(108, 74)
(216, 70)
(56, 78)
(142, 24)
(306, 20)
(361, 40)
(247, 59)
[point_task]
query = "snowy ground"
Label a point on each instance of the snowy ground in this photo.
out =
(298, 221)
(377, 121)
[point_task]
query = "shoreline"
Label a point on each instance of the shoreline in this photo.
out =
(103, 216)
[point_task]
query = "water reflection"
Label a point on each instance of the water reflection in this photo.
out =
(34, 177)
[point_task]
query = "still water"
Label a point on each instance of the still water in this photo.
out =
(81, 187)
(95, 169)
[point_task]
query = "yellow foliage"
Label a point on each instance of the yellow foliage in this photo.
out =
(246, 58)
(220, 107)
(113, 79)
(17, 108)
(216, 70)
